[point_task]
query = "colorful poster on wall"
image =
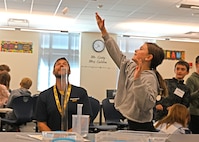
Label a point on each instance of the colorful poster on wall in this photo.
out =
(16, 46)
(174, 55)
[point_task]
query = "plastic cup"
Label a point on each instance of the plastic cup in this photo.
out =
(82, 126)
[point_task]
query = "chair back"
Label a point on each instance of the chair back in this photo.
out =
(34, 97)
(23, 108)
(95, 107)
(110, 113)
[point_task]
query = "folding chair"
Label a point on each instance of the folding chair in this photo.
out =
(34, 97)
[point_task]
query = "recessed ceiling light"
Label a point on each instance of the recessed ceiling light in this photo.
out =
(192, 33)
(18, 20)
(187, 6)
(195, 14)
(195, 7)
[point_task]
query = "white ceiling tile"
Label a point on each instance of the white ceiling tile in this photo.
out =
(115, 13)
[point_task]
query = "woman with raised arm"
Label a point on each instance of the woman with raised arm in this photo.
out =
(139, 82)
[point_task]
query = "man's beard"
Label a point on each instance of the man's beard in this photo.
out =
(59, 75)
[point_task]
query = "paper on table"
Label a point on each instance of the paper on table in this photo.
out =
(86, 140)
(39, 137)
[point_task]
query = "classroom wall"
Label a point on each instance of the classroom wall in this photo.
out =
(98, 72)
(21, 64)
(191, 51)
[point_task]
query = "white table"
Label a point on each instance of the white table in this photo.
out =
(19, 137)
(29, 137)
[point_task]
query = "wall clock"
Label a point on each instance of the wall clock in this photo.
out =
(98, 45)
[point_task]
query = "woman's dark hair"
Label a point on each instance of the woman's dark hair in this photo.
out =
(158, 57)
(197, 59)
(5, 78)
(158, 54)
(4, 67)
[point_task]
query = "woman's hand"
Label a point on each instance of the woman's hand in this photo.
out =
(138, 68)
(159, 107)
(100, 23)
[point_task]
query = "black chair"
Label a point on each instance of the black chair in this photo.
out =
(93, 128)
(95, 107)
(34, 97)
(23, 111)
(113, 116)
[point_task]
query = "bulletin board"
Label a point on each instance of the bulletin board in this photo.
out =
(16, 46)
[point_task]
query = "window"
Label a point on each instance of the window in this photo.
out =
(128, 45)
(52, 47)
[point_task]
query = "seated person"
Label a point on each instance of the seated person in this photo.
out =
(49, 111)
(176, 121)
(4, 67)
(4, 88)
(25, 85)
(4, 94)
(5, 79)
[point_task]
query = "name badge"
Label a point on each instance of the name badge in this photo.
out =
(158, 98)
(74, 99)
(179, 92)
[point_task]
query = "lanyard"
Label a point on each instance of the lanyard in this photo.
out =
(65, 99)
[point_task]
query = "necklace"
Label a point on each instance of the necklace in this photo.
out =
(60, 109)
